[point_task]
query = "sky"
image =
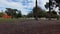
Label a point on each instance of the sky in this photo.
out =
(24, 5)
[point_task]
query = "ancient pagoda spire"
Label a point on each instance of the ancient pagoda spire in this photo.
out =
(36, 4)
(36, 10)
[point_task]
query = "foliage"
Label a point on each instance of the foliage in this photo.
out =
(1, 14)
(30, 14)
(53, 14)
(12, 12)
(18, 15)
(51, 4)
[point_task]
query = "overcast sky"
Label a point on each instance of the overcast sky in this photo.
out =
(24, 5)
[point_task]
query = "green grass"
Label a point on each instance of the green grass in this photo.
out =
(5, 19)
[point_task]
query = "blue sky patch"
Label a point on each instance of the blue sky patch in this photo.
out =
(24, 5)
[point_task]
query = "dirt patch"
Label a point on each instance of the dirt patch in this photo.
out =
(31, 27)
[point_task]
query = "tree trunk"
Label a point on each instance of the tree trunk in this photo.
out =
(49, 11)
(57, 17)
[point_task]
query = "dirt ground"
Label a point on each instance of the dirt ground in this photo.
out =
(30, 27)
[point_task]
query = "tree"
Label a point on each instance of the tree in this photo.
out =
(54, 12)
(30, 14)
(58, 4)
(58, 1)
(11, 12)
(1, 14)
(18, 15)
(41, 13)
(51, 4)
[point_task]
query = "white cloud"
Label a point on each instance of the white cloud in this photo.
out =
(17, 5)
(44, 1)
(20, 5)
(41, 3)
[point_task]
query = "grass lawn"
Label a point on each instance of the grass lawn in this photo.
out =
(7, 19)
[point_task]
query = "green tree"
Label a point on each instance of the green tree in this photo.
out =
(54, 12)
(53, 15)
(57, 3)
(50, 5)
(18, 15)
(1, 14)
(30, 14)
(11, 12)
